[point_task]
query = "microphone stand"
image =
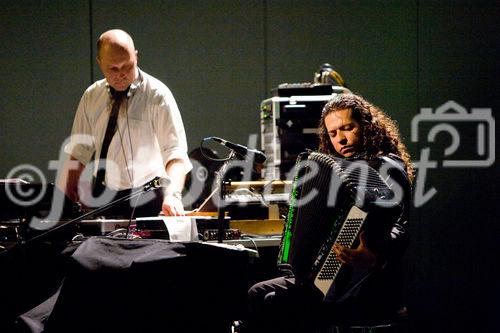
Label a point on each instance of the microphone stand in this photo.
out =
(221, 209)
(152, 184)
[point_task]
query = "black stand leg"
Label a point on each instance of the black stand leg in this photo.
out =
(222, 195)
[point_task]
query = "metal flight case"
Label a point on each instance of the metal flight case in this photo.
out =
(289, 122)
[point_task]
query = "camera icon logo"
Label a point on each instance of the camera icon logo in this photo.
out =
(449, 113)
(447, 118)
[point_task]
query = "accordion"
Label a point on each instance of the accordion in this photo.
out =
(329, 202)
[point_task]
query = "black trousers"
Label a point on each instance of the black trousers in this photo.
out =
(281, 305)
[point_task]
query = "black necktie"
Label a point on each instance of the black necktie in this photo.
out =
(118, 97)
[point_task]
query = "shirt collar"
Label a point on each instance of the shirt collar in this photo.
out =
(138, 81)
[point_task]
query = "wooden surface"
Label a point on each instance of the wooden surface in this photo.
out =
(258, 227)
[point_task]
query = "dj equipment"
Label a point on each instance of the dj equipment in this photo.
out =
(212, 234)
(253, 200)
(102, 226)
(154, 227)
(330, 200)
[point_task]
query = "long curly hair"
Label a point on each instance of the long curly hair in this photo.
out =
(380, 134)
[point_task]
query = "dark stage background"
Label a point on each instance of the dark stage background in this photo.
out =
(221, 58)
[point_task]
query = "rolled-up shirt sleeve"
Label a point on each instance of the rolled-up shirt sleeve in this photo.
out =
(170, 131)
(81, 143)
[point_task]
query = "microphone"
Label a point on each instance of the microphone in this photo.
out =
(155, 183)
(258, 156)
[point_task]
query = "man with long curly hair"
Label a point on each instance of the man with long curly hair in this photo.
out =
(356, 130)
(378, 134)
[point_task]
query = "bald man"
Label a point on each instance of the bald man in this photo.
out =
(148, 139)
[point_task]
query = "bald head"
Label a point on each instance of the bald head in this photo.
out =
(115, 39)
(117, 58)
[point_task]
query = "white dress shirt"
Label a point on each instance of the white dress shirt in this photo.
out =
(150, 132)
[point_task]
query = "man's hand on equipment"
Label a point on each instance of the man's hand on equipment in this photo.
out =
(172, 206)
(361, 256)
